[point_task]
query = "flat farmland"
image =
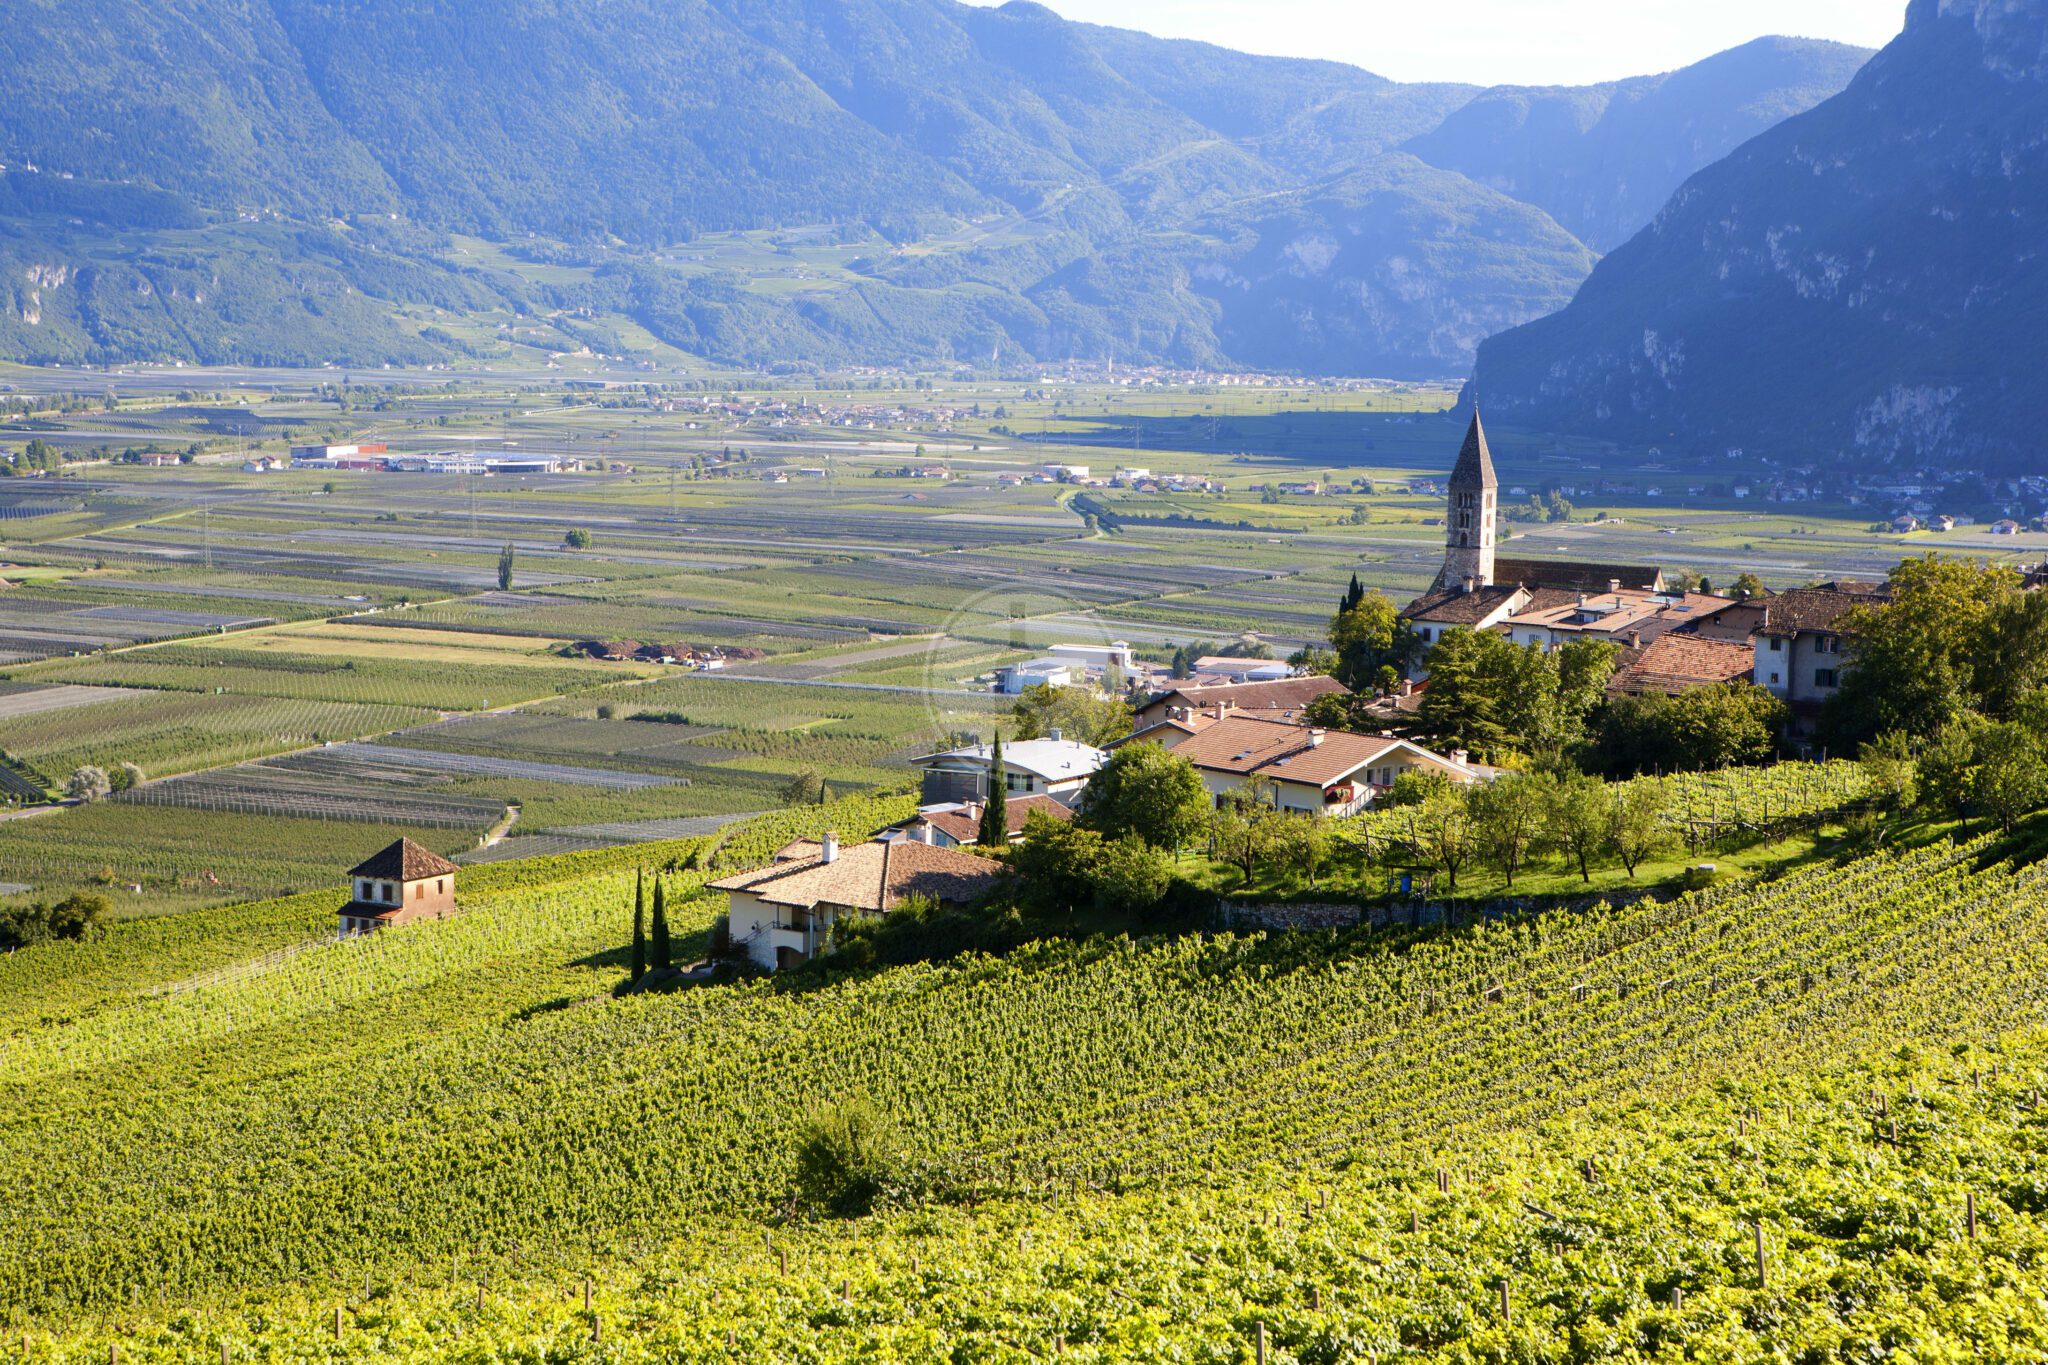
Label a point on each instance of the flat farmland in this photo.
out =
(27, 699)
(170, 732)
(191, 857)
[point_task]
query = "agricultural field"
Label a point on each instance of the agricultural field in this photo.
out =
(223, 621)
(1785, 1114)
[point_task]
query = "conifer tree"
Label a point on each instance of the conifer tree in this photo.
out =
(662, 961)
(995, 812)
(639, 924)
(1354, 594)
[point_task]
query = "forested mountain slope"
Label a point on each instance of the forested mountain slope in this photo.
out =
(1862, 282)
(1029, 186)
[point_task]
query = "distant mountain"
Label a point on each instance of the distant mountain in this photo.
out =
(1602, 159)
(1862, 284)
(280, 180)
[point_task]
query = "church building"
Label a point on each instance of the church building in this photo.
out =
(1480, 589)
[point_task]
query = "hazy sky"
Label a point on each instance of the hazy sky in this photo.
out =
(1497, 42)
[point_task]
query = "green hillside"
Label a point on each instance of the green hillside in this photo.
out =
(218, 1130)
(1020, 186)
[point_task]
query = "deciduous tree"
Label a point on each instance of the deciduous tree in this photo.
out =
(1149, 791)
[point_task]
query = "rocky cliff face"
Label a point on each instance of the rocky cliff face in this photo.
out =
(1862, 283)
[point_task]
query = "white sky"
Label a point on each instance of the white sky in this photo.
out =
(1497, 42)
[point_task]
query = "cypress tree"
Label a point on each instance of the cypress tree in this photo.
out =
(505, 563)
(1354, 594)
(662, 961)
(995, 812)
(639, 924)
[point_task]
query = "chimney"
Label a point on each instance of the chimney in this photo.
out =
(1471, 584)
(1582, 599)
(1460, 756)
(1315, 737)
(1053, 734)
(830, 852)
(926, 834)
(1406, 689)
(1635, 639)
(1614, 586)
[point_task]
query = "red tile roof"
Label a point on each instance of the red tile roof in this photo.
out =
(404, 861)
(965, 825)
(1281, 694)
(1288, 753)
(1672, 662)
(1813, 609)
(870, 876)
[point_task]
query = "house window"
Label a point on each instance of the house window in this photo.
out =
(1016, 782)
(1823, 677)
(1774, 680)
(440, 885)
(1827, 644)
(419, 891)
(1777, 645)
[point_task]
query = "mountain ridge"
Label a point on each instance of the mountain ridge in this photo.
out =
(1856, 285)
(1121, 172)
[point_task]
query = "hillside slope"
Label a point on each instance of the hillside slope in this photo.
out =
(214, 1123)
(1100, 175)
(1859, 284)
(1602, 159)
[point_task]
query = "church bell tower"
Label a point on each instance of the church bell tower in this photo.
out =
(1474, 507)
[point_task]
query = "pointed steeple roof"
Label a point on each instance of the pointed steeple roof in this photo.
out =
(1475, 463)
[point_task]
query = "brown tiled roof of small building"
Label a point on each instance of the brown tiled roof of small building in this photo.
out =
(965, 826)
(1456, 607)
(1281, 694)
(870, 876)
(1673, 662)
(404, 861)
(1811, 609)
(1290, 753)
(1576, 575)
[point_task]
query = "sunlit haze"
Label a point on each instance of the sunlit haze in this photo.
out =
(1498, 42)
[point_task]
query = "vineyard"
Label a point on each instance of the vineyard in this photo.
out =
(1149, 1148)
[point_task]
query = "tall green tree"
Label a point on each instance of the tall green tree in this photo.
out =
(1508, 816)
(1934, 652)
(663, 961)
(1370, 641)
(506, 559)
(1441, 832)
(1577, 821)
(1078, 713)
(1635, 822)
(1148, 791)
(639, 924)
(995, 811)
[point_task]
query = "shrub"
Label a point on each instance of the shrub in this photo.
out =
(849, 1158)
(74, 917)
(88, 784)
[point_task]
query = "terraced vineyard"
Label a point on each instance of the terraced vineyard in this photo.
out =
(1131, 1116)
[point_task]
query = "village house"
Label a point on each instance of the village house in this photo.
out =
(1673, 662)
(1053, 766)
(1241, 670)
(1309, 770)
(1012, 679)
(1280, 699)
(397, 885)
(784, 914)
(1798, 648)
(1624, 616)
(1478, 589)
(956, 824)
